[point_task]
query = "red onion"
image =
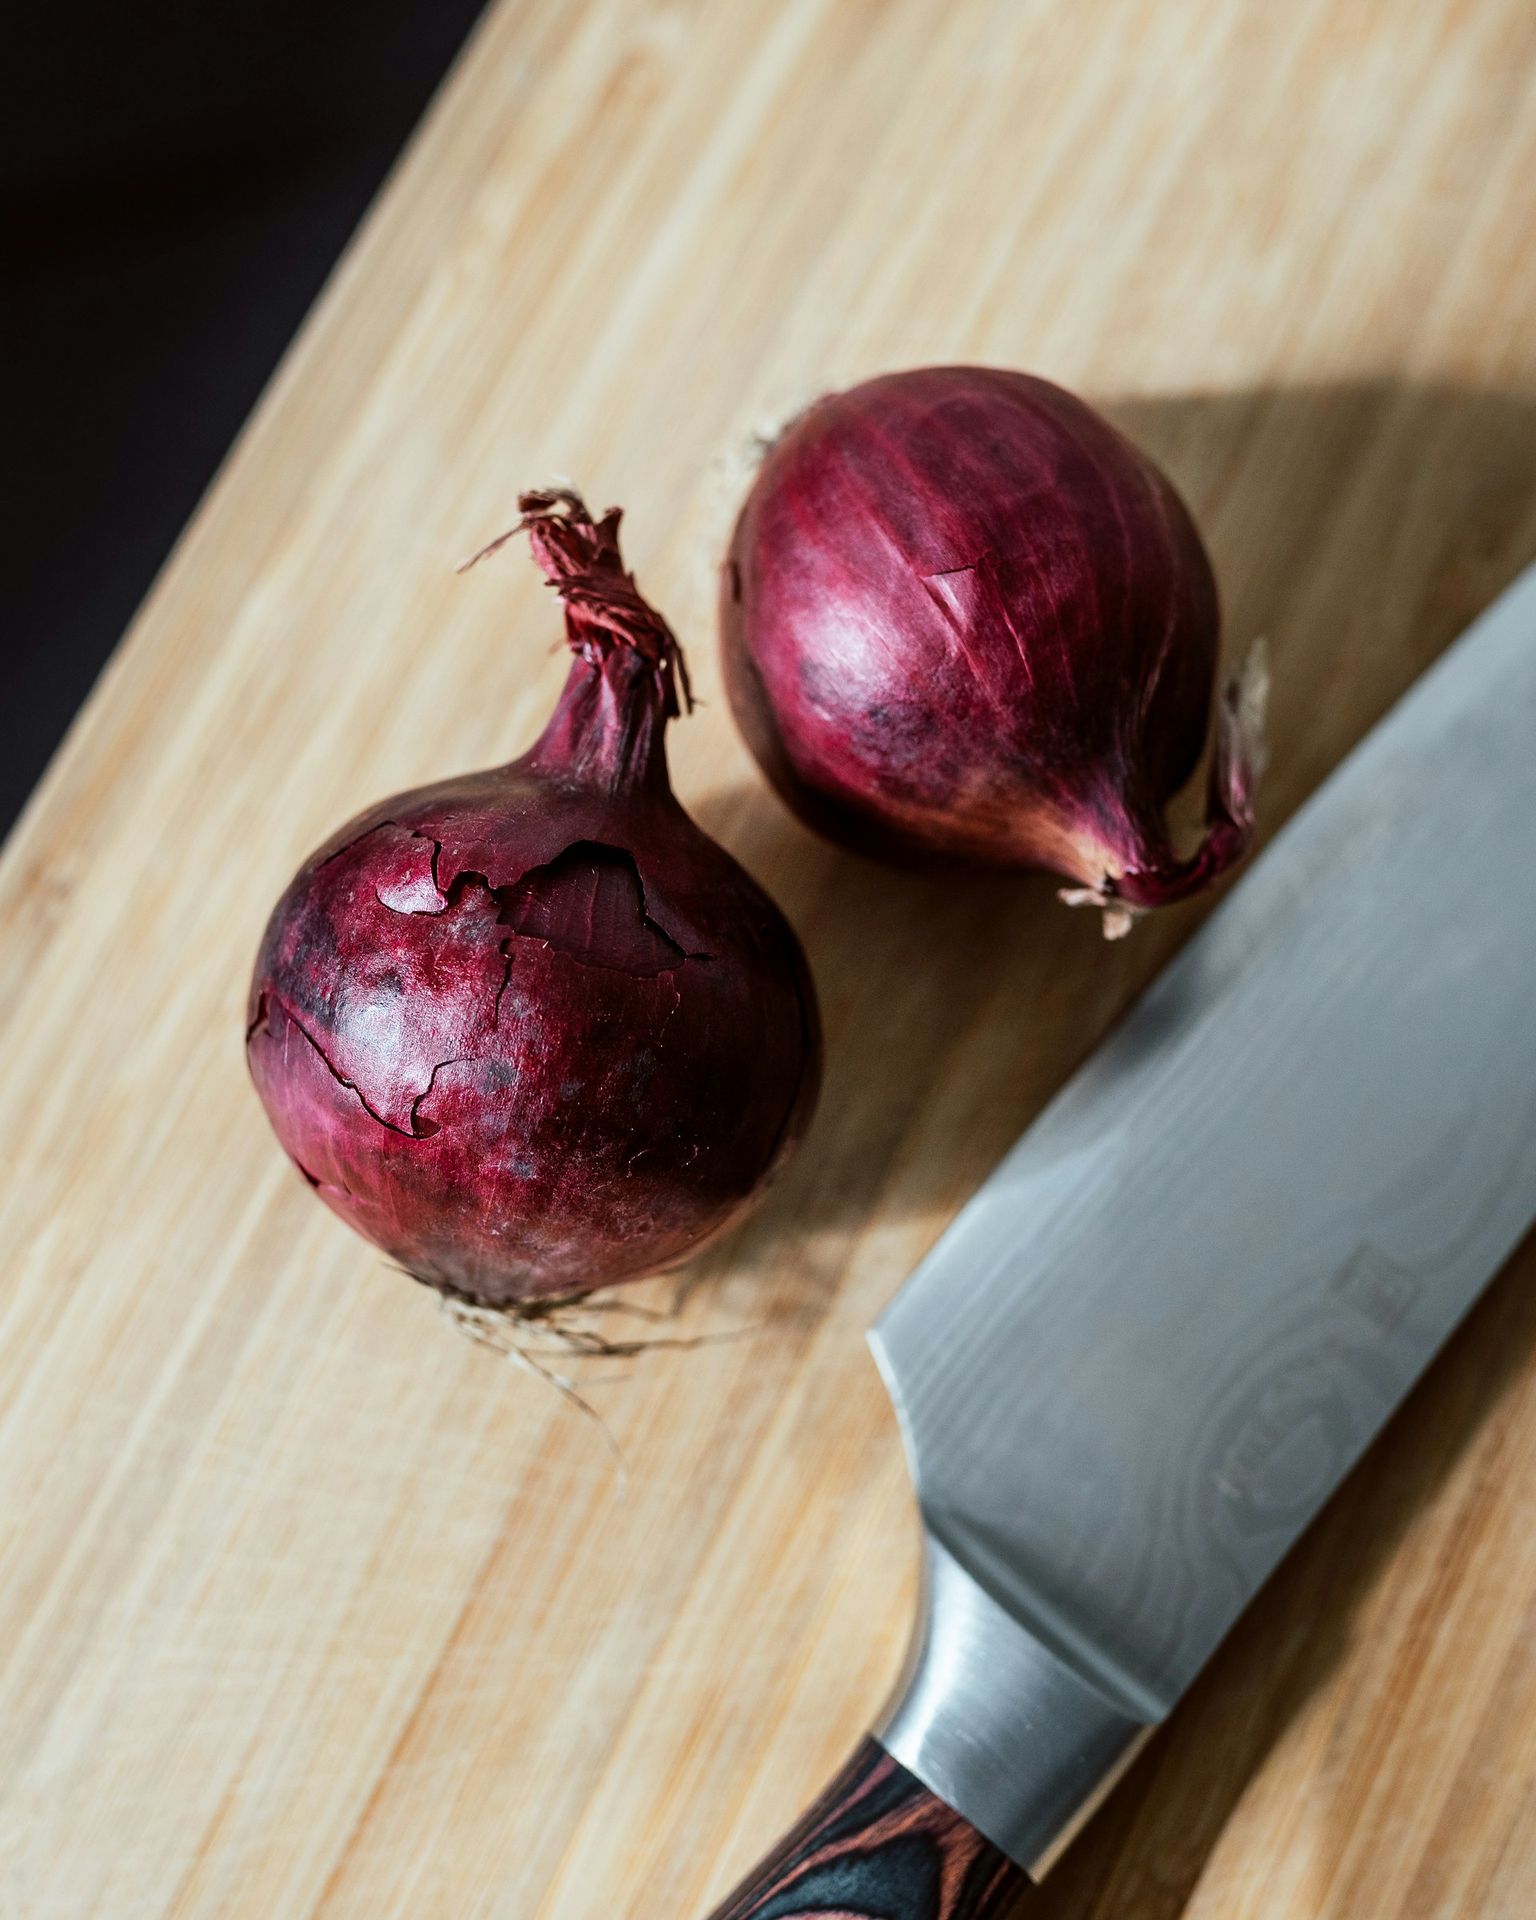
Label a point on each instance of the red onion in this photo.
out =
(531, 1030)
(962, 615)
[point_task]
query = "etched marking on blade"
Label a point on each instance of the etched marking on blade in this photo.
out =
(1382, 1289)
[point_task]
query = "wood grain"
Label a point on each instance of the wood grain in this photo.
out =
(309, 1608)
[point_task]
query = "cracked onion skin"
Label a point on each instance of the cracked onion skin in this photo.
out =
(530, 1030)
(963, 617)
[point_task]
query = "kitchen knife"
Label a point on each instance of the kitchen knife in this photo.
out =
(1146, 1352)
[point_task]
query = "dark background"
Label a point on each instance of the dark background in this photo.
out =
(176, 182)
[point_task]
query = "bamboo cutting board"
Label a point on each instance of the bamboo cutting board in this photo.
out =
(310, 1608)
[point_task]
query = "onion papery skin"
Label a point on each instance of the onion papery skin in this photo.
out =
(531, 1031)
(962, 617)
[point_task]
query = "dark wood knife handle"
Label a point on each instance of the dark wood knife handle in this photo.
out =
(878, 1845)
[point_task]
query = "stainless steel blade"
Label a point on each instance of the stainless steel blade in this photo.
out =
(1149, 1348)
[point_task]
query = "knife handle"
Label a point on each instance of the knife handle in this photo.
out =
(878, 1845)
(1000, 1725)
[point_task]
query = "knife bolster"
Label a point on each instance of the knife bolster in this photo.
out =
(1006, 1731)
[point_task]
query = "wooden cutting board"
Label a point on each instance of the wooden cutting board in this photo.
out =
(309, 1607)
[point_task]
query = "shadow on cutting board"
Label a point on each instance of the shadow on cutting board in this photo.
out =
(1359, 528)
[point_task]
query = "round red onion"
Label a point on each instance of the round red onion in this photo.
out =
(531, 1030)
(962, 615)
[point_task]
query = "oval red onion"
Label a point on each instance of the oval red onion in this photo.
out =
(962, 615)
(531, 1030)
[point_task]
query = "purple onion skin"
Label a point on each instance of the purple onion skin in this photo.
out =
(963, 617)
(532, 1031)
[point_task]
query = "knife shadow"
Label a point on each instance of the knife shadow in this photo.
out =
(1358, 527)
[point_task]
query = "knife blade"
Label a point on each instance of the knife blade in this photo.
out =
(1149, 1348)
